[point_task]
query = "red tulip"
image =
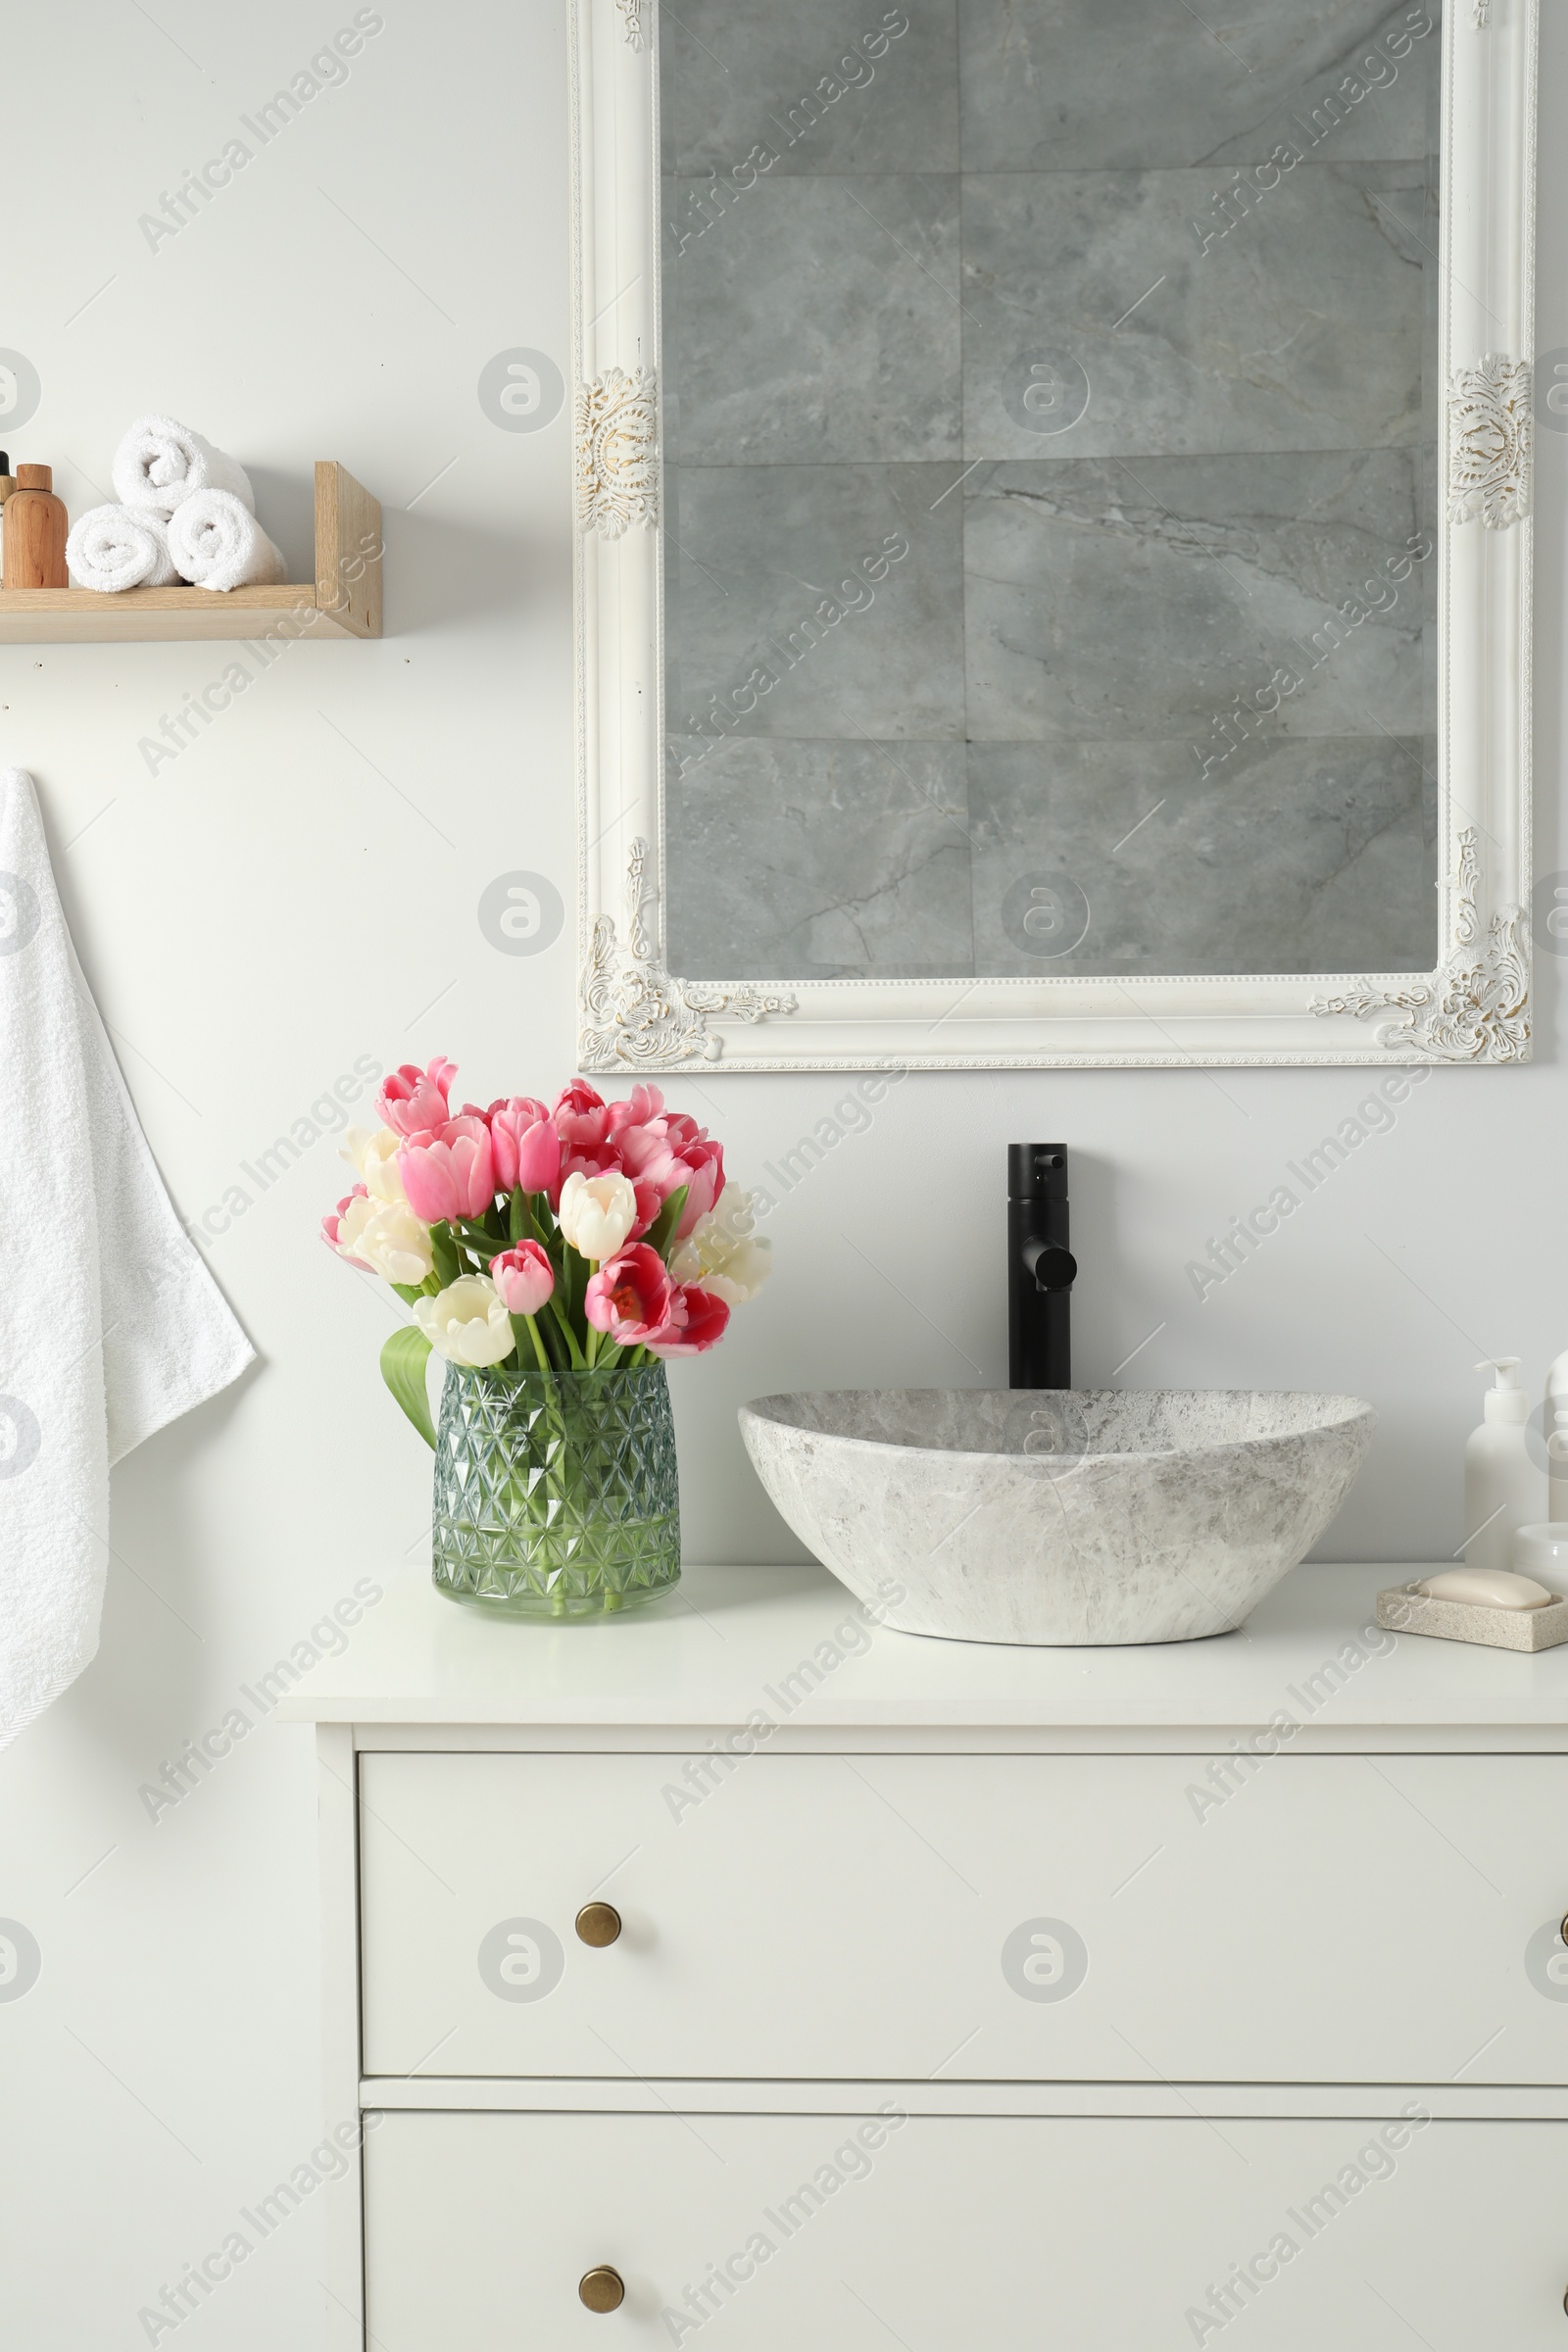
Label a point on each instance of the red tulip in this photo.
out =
(697, 1323)
(630, 1296)
(582, 1122)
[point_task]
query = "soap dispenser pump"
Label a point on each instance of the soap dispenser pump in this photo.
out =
(1503, 1489)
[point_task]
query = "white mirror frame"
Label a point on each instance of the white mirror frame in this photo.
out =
(637, 1016)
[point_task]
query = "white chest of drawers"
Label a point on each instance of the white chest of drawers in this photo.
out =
(953, 1995)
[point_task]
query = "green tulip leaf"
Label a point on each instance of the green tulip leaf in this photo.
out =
(444, 1255)
(402, 1362)
(662, 1232)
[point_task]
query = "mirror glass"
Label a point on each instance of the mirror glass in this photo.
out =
(1049, 492)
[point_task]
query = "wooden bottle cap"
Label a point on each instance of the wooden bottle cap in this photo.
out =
(35, 477)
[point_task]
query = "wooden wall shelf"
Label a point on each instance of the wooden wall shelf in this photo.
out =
(344, 600)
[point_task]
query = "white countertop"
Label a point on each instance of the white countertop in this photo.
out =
(731, 1643)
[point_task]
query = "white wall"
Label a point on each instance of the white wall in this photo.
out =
(299, 889)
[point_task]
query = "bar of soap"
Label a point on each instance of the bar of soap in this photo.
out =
(1485, 1589)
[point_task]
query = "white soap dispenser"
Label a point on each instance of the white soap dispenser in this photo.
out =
(1503, 1489)
(1557, 1435)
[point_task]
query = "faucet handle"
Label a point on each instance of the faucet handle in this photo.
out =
(1052, 1267)
(1036, 1171)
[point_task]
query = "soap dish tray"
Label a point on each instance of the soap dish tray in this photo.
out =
(1404, 1610)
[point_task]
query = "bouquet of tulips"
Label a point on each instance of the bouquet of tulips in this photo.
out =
(585, 1236)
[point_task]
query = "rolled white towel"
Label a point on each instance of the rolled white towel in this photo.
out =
(112, 549)
(218, 543)
(161, 463)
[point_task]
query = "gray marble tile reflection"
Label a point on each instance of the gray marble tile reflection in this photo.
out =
(1148, 598)
(1062, 84)
(1302, 329)
(815, 320)
(1314, 855)
(818, 85)
(816, 860)
(817, 600)
(1193, 373)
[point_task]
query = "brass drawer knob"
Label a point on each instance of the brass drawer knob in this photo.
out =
(602, 2288)
(599, 1924)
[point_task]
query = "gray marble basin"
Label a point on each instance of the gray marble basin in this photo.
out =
(1080, 1515)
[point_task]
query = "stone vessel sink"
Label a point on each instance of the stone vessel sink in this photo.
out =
(1079, 1515)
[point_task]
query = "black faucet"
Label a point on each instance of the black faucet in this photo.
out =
(1041, 1268)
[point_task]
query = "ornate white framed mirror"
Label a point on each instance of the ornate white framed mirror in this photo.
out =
(1055, 547)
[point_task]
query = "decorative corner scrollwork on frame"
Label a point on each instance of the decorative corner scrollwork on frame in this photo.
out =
(1480, 19)
(616, 433)
(1490, 442)
(1476, 1006)
(635, 1015)
(631, 15)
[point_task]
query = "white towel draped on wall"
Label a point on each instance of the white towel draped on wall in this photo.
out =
(109, 1323)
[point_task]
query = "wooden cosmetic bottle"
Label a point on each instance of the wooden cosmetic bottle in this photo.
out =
(34, 533)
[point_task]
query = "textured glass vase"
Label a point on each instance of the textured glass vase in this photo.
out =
(554, 1491)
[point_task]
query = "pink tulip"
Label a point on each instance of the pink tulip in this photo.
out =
(631, 1295)
(582, 1122)
(601, 1160)
(642, 1141)
(699, 1165)
(667, 1148)
(524, 1277)
(579, 1096)
(642, 1104)
(332, 1229)
(703, 1162)
(650, 1200)
(525, 1144)
(448, 1172)
(696, 1323)
(412, 1100)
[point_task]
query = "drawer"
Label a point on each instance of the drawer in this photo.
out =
(841, 2232)
(887, 1918)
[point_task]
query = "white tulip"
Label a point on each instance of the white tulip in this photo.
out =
(373, 1157)
(596, 1213)
(388, 1237)
(722, 1255)
(466, 1322)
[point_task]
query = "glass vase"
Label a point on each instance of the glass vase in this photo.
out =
(556, 1493)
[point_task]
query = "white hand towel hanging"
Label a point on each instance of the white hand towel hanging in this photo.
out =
(161, 463)
(109, 1323)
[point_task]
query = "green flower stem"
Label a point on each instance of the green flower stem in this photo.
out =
(557, 1358)
(592, 1337)
(522, 1323)
(579, 1361)
(554, 1491)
